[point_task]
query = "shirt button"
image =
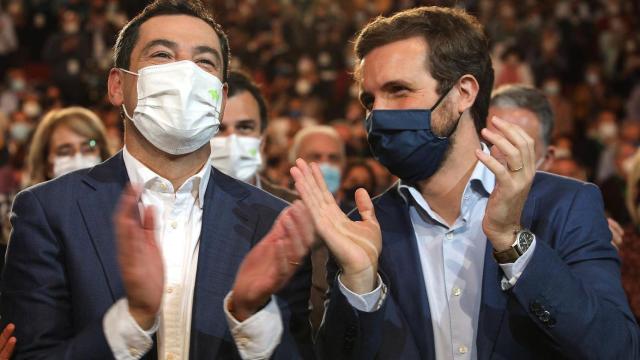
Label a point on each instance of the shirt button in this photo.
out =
(163, 187)
(134, 352)
(449, 235)
(174, 224)
(242, 342)
(169, 289)
(171, 356)
(457, 291)
(463, 349)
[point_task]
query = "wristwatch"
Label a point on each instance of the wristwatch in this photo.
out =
(524, 238)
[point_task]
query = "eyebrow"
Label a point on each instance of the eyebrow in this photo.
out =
(201, 49)
(246, 122)
(159, 42)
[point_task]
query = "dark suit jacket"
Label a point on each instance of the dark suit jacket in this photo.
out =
(568, 303)
(62, 274)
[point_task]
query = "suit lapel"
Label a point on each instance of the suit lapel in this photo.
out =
(401, 264)
(103, 186)
(494, 299)
(228, 226)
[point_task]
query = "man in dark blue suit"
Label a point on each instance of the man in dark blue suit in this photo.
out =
(184, 263)
(469, 256)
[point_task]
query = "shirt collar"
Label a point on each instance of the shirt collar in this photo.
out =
(141, 174)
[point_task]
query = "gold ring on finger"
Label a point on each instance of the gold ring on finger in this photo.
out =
(515, 170)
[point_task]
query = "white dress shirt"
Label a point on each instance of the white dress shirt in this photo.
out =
(178, 225)
(452, 262)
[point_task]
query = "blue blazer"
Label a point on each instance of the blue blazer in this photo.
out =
(568, 303)
(62, 274)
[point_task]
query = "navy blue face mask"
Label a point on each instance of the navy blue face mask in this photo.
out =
(403, 142)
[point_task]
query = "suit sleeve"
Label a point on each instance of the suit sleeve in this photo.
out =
(35, 292)
(571, 287)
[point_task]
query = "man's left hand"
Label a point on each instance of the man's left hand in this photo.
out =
(273, 261)
(514, 175)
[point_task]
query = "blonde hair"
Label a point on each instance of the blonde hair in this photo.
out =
(311, 130)
(80, 120)
(632, 189)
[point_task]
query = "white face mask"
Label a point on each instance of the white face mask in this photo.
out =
(179, 106)
(66, 164)
(236, 156)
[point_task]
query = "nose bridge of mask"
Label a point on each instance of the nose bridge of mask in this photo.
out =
(185, 81)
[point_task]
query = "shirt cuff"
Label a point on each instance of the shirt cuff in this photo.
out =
(512, 271)
(368, 302)
(257, 336)
(125, 337)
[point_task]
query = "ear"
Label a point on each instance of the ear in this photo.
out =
(549, 158)
(468, 91)
(115, 87)
(225, 96)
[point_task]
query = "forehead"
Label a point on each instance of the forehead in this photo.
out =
(319, 143)
(185, 30)
(402, 59)
(522, 117)
(241, 106)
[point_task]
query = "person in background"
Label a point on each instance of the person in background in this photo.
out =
(530, 109)
(357, 174)
(65, 140)
(237, 149)
(321, 144)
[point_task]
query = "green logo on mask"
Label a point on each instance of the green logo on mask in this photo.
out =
(215, 95)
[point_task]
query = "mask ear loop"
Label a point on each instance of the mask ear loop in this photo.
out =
(433, 108)
(124, 109)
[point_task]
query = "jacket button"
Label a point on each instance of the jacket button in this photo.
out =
(545, 316)
(535, 307)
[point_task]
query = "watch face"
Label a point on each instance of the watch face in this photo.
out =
(525, 238)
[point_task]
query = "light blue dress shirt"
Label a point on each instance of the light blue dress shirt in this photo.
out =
(452, 261)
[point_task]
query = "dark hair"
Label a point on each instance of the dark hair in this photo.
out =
(239, 82)
(526, 97)
(359, 163)
(128, 36)
(457, 46)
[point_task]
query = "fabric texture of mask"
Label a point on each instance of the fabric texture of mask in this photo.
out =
(178, 107)
(20, 132)
(331, 175)
(236, 156)
(66, 164)
(404, 143)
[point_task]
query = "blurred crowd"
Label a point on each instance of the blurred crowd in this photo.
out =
(583, 54)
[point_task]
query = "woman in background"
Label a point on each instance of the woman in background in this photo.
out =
(66, 139)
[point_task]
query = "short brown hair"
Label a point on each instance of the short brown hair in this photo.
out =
(128, 36)
(457, 43)
(80, 120)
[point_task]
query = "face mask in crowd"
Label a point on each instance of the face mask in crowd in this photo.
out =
(66, 164)
(403, 142)
(331, 175)
(236, 156)
(179, 106)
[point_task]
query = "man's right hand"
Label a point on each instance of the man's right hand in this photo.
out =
(356, 245)
(7, 342)
(140, 259)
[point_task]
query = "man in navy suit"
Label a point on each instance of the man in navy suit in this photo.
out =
(469, 256)
(99, 269)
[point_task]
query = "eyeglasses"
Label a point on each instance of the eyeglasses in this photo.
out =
(84, 148)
